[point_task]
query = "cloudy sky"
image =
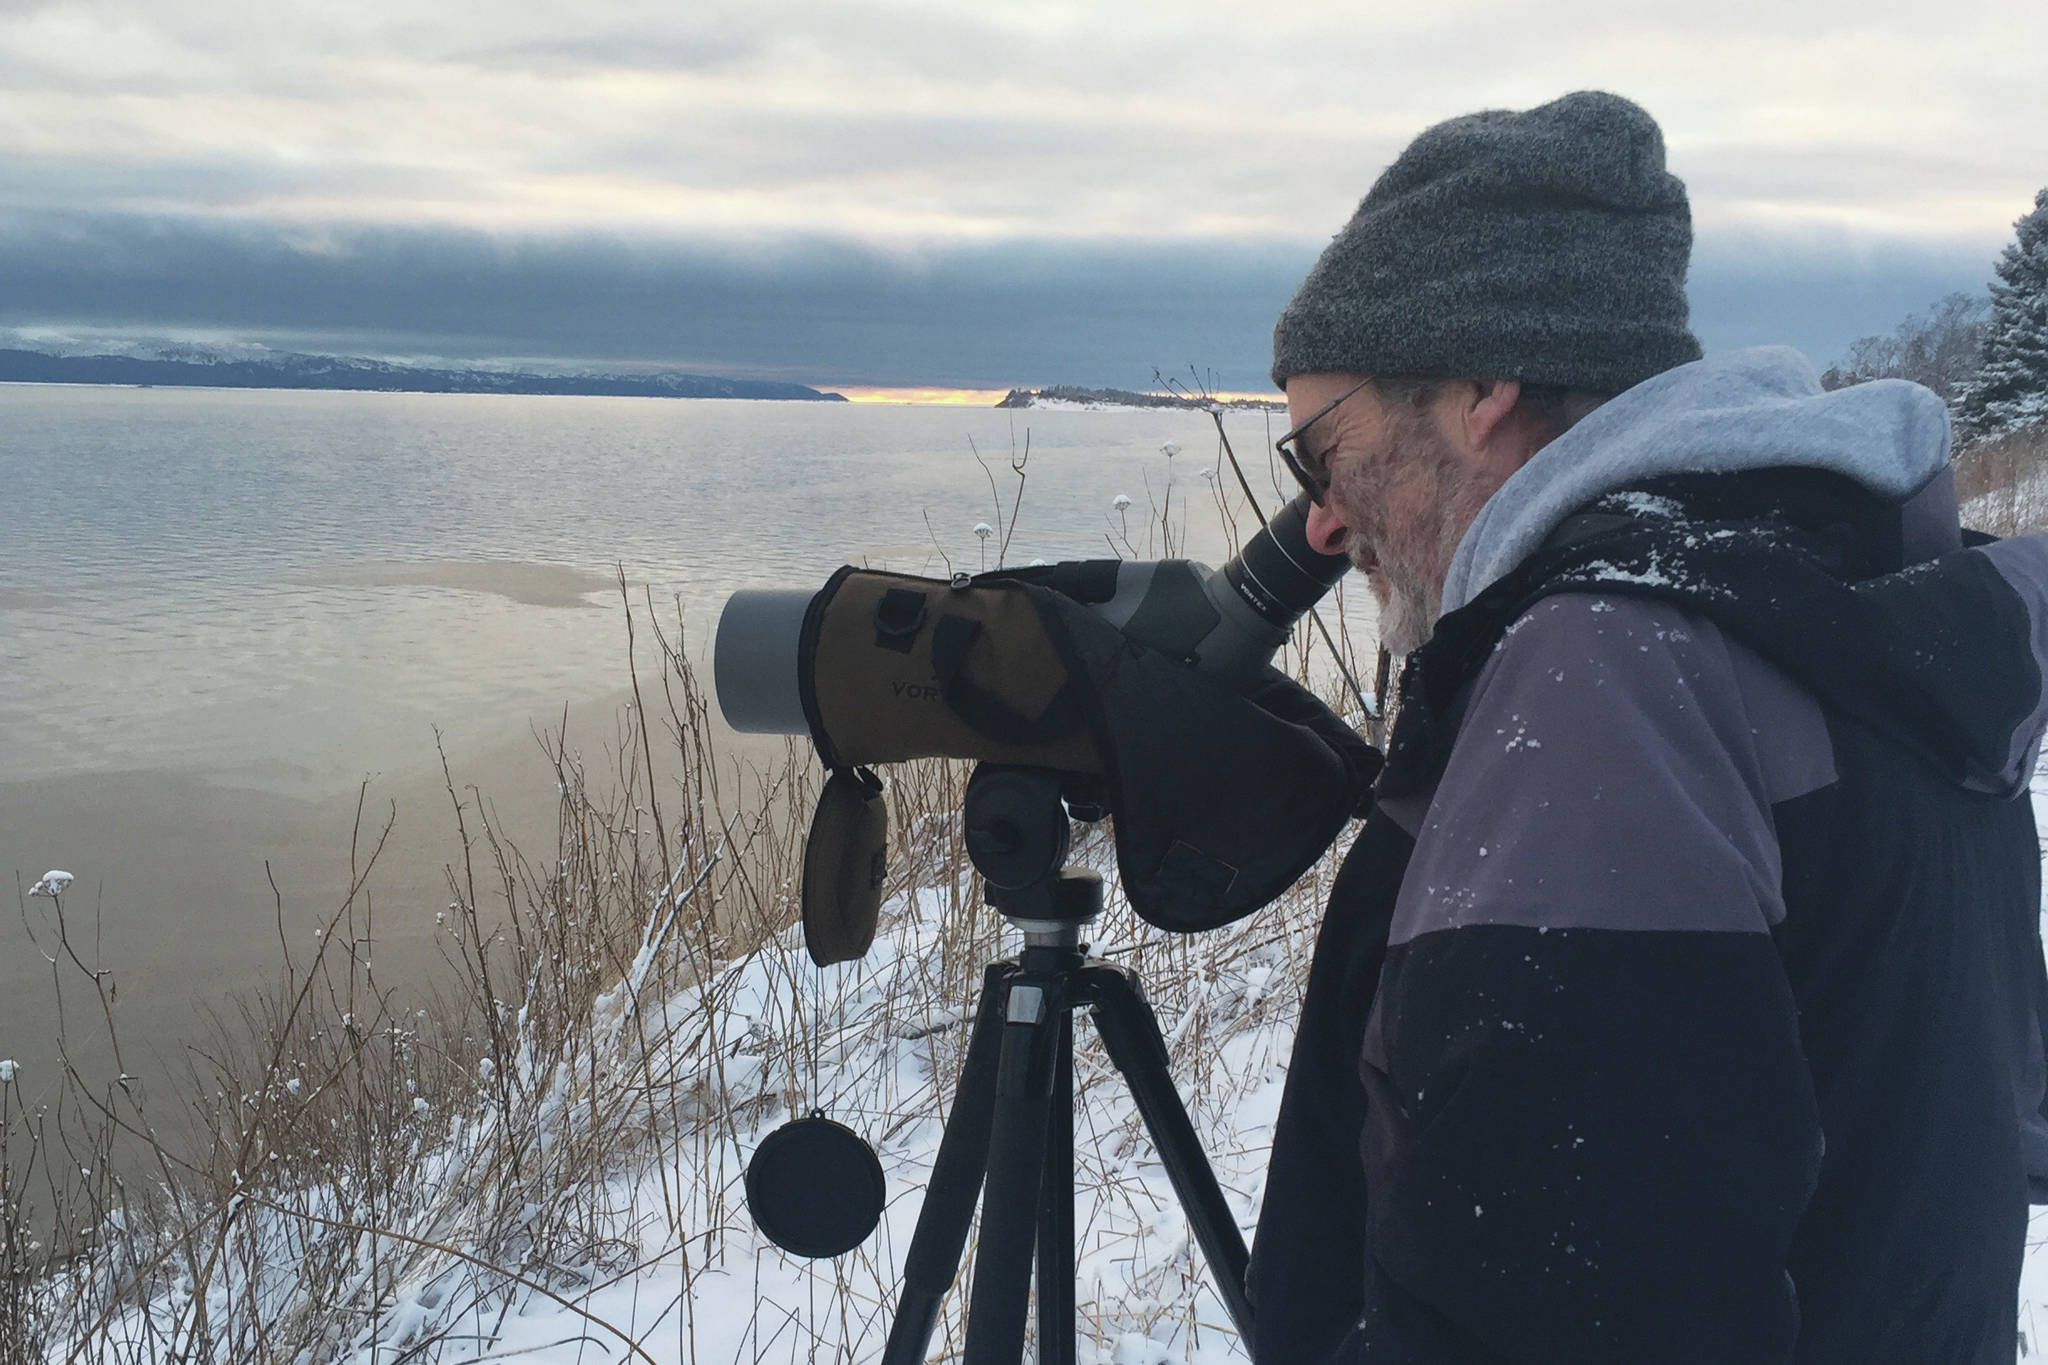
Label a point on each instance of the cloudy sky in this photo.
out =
(937, 192)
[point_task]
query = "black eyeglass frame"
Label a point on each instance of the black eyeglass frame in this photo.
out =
(1312, 473)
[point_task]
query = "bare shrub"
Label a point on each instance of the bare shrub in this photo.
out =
(1941, 348)
(351, 1140)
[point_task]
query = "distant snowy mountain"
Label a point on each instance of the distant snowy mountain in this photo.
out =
(253, 368)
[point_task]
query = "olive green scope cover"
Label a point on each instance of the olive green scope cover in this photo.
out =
(894, 667)
(1221, 797)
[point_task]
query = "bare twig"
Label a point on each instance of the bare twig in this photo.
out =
(927, 512)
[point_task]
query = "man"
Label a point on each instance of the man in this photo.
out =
(1681, 998)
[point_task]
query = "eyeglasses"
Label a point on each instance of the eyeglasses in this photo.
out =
(1312, 470)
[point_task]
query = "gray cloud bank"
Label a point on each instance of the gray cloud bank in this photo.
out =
(971, 315)
(927, 192)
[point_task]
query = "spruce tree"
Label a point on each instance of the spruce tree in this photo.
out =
(2010, 392)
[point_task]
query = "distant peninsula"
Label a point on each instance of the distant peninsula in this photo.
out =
(1072, 396)
(195, 367)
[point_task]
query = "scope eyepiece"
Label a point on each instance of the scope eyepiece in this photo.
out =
(1278, 573)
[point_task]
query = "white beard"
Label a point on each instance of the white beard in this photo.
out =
(1408, 578)
(1407, 611)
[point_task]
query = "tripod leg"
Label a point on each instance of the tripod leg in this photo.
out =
(1130, 1033)
(1056, 1211)
(999, 1303)
(933, 1260)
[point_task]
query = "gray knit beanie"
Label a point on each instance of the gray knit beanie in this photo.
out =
(1548, 246)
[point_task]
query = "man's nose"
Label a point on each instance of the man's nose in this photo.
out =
(1325, 529)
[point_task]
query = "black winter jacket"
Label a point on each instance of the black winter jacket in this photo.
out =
(1682, 998)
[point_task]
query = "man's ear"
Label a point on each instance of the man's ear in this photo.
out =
(1486, 405)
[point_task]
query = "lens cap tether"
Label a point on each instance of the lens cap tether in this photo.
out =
(815, 1187)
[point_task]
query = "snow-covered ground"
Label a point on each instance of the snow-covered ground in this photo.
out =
(889, 1052)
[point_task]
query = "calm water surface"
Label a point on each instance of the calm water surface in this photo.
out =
(288, 590)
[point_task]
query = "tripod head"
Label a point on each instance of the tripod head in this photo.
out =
(1018, 834)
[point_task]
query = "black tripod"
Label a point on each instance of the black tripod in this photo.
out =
(1012, 1124)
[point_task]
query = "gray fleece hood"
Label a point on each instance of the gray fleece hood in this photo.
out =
(1748, 409)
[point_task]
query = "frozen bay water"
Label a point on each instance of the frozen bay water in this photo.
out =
(284, 590)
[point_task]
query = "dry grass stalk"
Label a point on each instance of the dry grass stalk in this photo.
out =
(2003, 483)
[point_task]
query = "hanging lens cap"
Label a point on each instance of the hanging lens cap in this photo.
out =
(815, 1188)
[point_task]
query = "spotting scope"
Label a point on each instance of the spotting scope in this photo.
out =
(878, 667)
